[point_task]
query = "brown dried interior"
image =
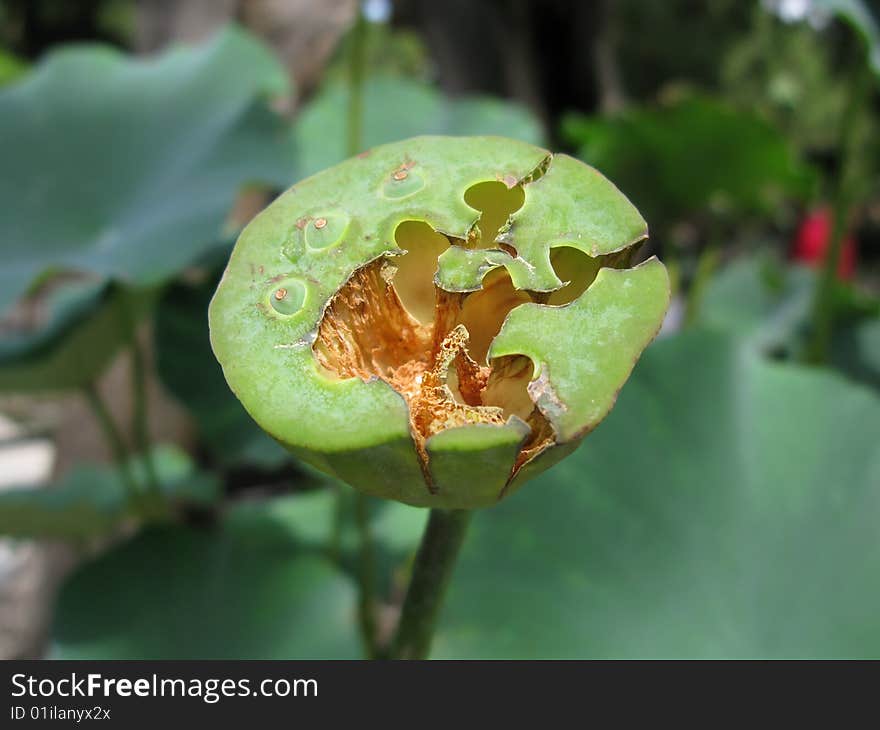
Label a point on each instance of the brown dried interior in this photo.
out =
(390, 321)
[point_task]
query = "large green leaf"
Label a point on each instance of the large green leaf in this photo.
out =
(234, 591)
(856, 350)
(728, 507)
(128, 168)
(690, 155)
(92, 500)
(762, 301)
(190, 371)
(85, 325)
(396, 108)
(768, 304)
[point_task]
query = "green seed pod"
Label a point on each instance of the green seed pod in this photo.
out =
(439, 319)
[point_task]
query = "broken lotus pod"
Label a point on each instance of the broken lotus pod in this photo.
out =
(438, 320)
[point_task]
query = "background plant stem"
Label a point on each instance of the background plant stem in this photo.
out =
(112, 436)
(139, 412)
(823, 300)
(356, 64)
(367, 578)
(433, 568)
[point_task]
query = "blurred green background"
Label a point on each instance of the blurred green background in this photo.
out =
(728, 507)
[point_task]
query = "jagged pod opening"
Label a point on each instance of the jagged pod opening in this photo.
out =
(438, 319)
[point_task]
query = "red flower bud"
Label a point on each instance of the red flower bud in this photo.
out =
(813, 238)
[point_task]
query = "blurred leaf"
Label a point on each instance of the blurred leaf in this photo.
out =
(787, 73)
(741, 522)
(857, 14)
(856, 351)
(768, 303)
(398, 527)
(11, 67)
(396, 108)
(692, 155)
(304, 517)
(128, 167)
(85, 325)
(762, 300)
(91, 500)
(235, 591)
(192, 374)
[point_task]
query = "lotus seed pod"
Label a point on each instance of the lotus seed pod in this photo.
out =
(439, 319)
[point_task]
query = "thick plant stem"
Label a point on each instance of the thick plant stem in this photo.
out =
(433, 568)
(367, 577)
(823, 299)
(139, 412)
(356, 64)
(113, 437)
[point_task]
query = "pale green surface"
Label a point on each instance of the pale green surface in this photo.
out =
(357, 431)
(473, 462)
(259, 349)
(587, 349)
(571, 205)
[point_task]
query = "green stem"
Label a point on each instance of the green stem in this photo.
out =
(367, 577)
(140, 428)
(706, 266)
(334, 549)
(823, 298)
(113, 437)
(433, 568)
(357, 61)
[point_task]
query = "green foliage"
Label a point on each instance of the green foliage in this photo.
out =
(856, 350)
(728, 507)
(692, 155)
(757, 538)
(396, 108)
(767, 304)
(189, 370)
(761, 301)
(741, 524)
(780, 70)
(11, 68)
(85, 325)
(235, 591)
(857, 14)
(128, 168)
(91, 501)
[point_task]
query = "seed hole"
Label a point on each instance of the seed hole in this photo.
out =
(496, 203)
(578, 269)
